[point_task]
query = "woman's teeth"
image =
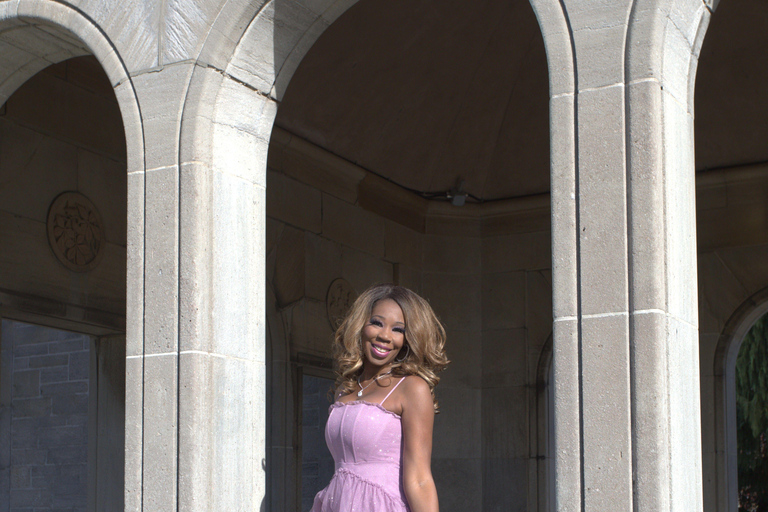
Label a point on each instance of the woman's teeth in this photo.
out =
(380, 350)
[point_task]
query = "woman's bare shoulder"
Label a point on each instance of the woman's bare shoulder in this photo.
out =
(415, 384)
(415, 391)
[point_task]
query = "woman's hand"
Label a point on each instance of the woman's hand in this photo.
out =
(418, 417)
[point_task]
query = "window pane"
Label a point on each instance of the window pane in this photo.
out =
(46, 416)
(316, 461)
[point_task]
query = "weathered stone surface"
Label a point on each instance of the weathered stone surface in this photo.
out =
(323, 264)
(505, 359)
(564, 205)
(457, 311)
(504, 434)
(602, 201)
(290, 267)
(503, 300)
(160, 419)
(293, 202)
(645, 188)
(161, 112)
(680, 221)
(352, 226)
(465, 351)
(463, 406)
(451, 254)
(600, 62)
(606, 412)
(161, 261)
(458, 480)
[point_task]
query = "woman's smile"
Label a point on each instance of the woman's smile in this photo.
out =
(380, 350)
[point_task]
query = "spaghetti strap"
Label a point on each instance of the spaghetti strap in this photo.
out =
(391, 390)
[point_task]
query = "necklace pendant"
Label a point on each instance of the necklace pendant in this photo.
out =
(360, 393)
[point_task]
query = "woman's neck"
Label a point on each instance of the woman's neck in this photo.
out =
(374, 372)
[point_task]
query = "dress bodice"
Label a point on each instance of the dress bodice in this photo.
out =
(361, 432)
(366, 442)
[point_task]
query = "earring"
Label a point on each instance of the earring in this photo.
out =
(407, 353)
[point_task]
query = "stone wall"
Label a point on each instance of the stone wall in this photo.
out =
(61, 132)
(517, 322)
(46, 417)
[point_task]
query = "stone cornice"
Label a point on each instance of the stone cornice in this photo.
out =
(314, 166)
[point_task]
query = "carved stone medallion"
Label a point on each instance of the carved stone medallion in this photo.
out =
(75, 232)
(338, 301)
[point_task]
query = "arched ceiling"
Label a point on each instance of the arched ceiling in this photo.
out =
(732, 87)
(427, 92)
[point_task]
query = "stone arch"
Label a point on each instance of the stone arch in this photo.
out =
(726, 353)
(244, 67)
(49, 32)
(33, 36)
(236, 45)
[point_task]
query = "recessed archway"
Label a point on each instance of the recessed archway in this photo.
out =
(732, 232)
(724, 407)
(66, 99)
(374, 129)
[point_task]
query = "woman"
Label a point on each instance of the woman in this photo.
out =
(388, 351)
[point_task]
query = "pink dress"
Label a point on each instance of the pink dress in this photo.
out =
(366, 442)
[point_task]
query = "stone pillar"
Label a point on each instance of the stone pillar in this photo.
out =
(195, 352)
(627, 425)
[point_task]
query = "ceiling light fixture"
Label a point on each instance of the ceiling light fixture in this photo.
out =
(458, 195)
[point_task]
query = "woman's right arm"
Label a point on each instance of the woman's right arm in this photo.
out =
(418, 418)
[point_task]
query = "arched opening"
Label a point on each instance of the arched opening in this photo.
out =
(724, 409)
(63, 168)
(407, 152)
(732, 228)
(725, 406)
(745, 373)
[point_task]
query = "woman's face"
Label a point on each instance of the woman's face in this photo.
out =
(384, 333)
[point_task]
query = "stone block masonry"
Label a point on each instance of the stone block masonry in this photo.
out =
(48, 420)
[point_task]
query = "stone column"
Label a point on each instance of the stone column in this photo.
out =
(627, 425)
(195, 353)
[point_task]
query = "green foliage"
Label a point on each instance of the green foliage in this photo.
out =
(752, 418)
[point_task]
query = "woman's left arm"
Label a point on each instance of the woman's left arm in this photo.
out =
(418, 418)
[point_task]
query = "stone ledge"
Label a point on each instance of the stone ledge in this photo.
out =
(314, 166)
(38, 310)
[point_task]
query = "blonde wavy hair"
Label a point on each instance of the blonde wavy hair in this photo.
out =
(424, 334)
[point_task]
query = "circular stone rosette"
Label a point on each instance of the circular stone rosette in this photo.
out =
(75, 232)
(338, 300)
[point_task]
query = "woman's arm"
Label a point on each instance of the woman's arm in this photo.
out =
(418, 417)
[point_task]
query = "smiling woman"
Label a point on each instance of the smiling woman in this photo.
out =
(388, 352)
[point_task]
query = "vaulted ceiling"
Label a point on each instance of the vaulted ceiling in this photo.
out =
(732, 87)
(428, 92)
